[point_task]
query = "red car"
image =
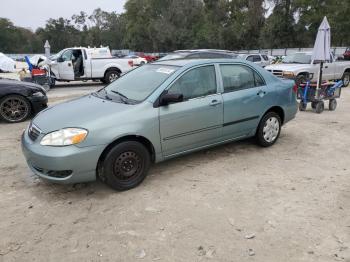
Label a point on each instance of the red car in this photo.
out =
(347, 54)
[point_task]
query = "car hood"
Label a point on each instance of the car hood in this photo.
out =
(286, 67)
(83, 112)
(15, 83)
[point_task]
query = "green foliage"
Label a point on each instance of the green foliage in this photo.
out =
(166, 25)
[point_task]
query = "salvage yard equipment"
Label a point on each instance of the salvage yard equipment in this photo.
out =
(309, 93)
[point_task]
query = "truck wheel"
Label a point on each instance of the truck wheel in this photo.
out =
(346, 79)
(111, 76)
(300, 79)
(125, 166)
(332, 105)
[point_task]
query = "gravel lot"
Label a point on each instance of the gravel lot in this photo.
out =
(237, 202)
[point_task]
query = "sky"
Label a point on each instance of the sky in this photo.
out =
(33, 14)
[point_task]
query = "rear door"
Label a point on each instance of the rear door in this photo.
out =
(65, 65)
(197, 121)
(246, 97)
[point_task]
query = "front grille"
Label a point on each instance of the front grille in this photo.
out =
(277, 73)
(33, 132)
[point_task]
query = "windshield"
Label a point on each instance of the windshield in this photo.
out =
(173, 56)
(298, 58)
(54, 57)
(138, 84)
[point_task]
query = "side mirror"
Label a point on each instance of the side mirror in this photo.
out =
(167, 99)
(60, 60)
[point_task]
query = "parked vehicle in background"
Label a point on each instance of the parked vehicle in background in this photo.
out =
(156, 112)
(199, 54)
(299, 67)
(20, 100)
(347, 54)
(137, 60)
(80, 63)
(150, 58)
(259, 59)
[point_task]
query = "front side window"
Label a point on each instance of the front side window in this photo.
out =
(67, 55)
(198, 82)
(238, 77)
(256, 58)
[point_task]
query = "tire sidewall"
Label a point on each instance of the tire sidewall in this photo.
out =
(260, 133)
(346, 74)
(109, 161)
(108, 74)
(25, 100)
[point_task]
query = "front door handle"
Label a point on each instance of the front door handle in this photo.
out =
(215, 102)
(69, 64)
(326, 67)
(261, 93)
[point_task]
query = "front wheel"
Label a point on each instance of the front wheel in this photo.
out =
(125, 166)
(269, 129)
(332, 105)
(14, 109)
(319, 107)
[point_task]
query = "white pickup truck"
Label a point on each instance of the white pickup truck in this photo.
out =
(300, 67)
(80, 63)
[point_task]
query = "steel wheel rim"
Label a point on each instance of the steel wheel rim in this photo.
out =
(113, 77)
(128, 165)
(14, 109)
(271, 129)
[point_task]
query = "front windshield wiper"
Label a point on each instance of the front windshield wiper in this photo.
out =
(124, 97)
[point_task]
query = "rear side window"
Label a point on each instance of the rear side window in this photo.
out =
(238, 77)
(265, 57)
(198, 82)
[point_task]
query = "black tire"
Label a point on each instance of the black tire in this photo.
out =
(346, 79)
(111, 76)
(332, 105)
(103, 80)
(52, 82)
(313, 105)
(266, 136)
(125, 166)
(319, 107)
(302, 106)
(15, 109)
(300, 79)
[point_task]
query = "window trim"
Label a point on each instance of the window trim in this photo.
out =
(243, 65)
(217, 78)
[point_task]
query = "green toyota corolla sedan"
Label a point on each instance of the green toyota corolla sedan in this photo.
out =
(153, 113)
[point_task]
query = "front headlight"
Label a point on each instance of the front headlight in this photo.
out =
(288, 74)
(38, 94)
(64, 137)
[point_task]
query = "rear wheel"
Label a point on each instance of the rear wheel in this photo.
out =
(269, 129)
(111, 76)
(125, 166)
(346, 79)
(14, 109)
(301, 79)
(332, 104)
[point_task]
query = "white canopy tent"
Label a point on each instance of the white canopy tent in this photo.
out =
(322, 48)
(7, 64)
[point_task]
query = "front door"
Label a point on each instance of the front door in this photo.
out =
(197, 121)
(246, 97)
(65, 66)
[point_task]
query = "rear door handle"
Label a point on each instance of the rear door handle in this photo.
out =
(326, 67)
(215, 102)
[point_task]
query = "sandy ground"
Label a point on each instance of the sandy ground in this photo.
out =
(236, 202)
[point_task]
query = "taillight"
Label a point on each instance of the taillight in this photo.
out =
(295, 88)
(131, 63)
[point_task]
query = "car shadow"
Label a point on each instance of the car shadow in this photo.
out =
(166, 169)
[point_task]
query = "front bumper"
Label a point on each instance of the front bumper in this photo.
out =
(74, 164)
(38, 103)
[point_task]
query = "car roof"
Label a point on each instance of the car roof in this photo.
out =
(193, 62)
